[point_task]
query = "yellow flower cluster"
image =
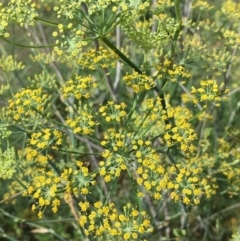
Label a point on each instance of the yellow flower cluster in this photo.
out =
(65, 9)
(120, 150)
(231, 37)
(141, 32)
(28, 105)
(31, 154)
(202, 5)
(115, 159)
(44, 80)
(8, 163)
(105, 220)
(72, 45)
(8, 64)
(139, 82)
(182, 134)
(83, 123)
(182, 181)
(79, 88)
(3, 22)
(209, 91)
(77, 180)
(45, 139)
(217, 60)
(102, 57)
(47, 187)
(46, 58)
(151, 176)
(185, 184)
(20, 11)
(231, 9)
(173, 73)
(44, 189)
(113, 111)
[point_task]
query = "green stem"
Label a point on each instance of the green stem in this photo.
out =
(120, 54)
(79, 153)
(28, 46)
(134, 185)
(46, 22)
(17, 180)
(110, 191)
(133, 108)
(150, 110)
(179, 20)
(178, 12)
(198, 114)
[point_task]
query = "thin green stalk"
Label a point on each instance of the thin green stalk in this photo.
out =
(6, 237)
(134, 185)
(31, 224)
(46, 22)
(178, 12)
(133, 108)
(144, 119)
(8, 82)
(179, 21)
(17, 180)
(110, 21)
(120, 54)
(88, 19)
(101, 22)
(56, 220)
(79, 153)
(198, 114)
(110, 191)
(28, 46)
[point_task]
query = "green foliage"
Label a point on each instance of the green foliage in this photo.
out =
(119, 120)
